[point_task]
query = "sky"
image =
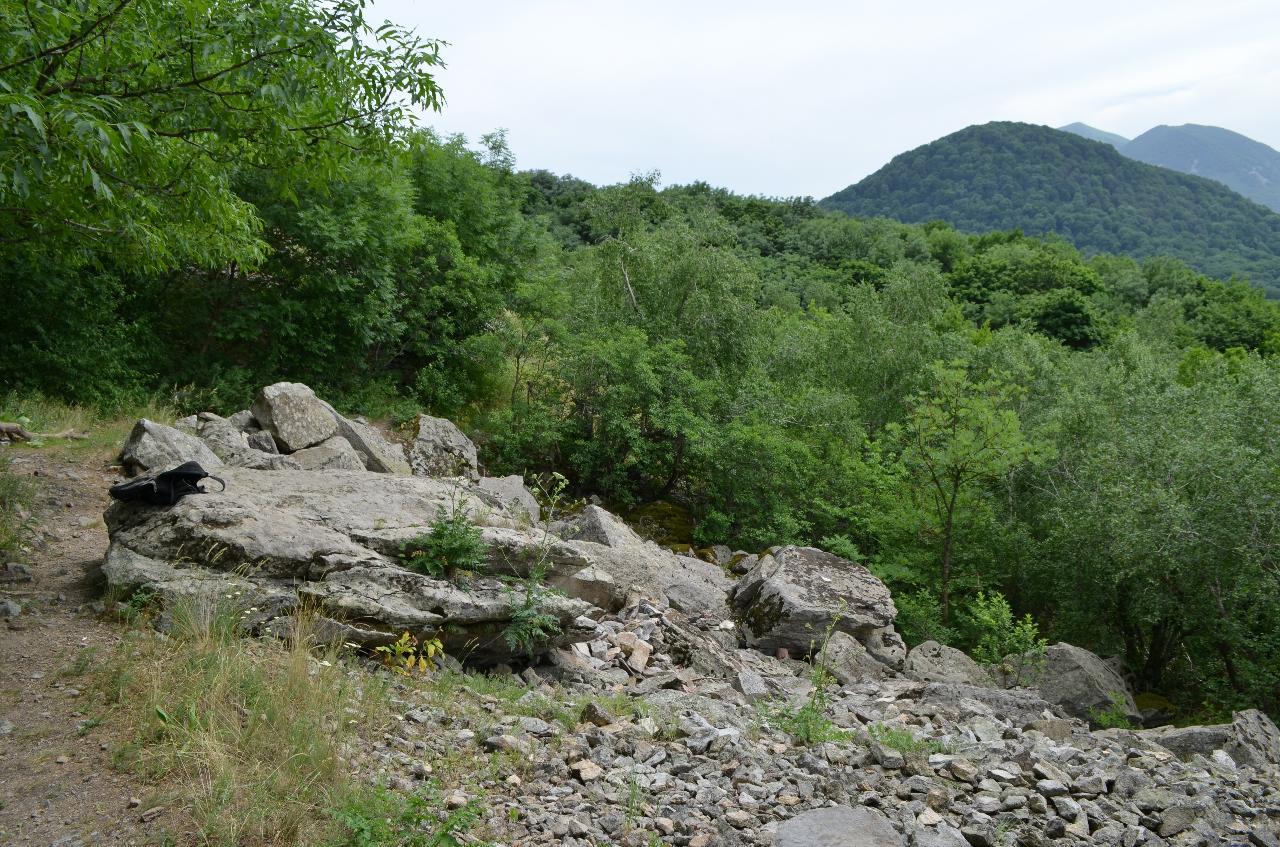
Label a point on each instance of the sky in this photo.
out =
(805, 98)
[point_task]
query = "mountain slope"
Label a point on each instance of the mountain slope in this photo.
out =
(1248, 166)
(1095, 134)
(1013, 175)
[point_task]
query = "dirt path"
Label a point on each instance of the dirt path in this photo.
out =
(57, 786)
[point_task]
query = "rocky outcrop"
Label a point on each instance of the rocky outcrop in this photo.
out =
(934, 662)
(1083, 684)
(794, 595)
(153, 447)
(276, 539)
(514, 494)
(237, 448)
(294, 416)
(334, 453)
(441, 449)
(1251, 739)
(378, 453)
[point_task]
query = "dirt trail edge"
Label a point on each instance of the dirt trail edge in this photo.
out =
(57, 785)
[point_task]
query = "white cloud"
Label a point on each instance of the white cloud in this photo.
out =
(767, 99)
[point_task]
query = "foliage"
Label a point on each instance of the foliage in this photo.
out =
(997, 636)
(409, 654)
(531, 625)
(454, 547)
(808, 723)
(383, 818)
(124, 122)
(903, 740)
(1115, 716)
(17, 504)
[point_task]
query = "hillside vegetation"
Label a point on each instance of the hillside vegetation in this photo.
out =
(1092, 436)
(1240, 163)
(1011, 175)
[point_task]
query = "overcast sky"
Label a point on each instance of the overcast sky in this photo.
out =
(801, 98)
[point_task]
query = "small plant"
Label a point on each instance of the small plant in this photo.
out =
(809, 723)
(384, 818)
(1000, 636)
(1115, 716)
(17, 498)
(903, 741)
(452, 548)
(532, 626)
(409, 654)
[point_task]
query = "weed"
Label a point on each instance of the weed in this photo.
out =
(382, 818)
(79, 664)
(409, 654)
(531, 626)
(251, 730)
(85, 726)
(452, 548)
(17, 502)
(903, 740)
(1115, 716)
(809, 723)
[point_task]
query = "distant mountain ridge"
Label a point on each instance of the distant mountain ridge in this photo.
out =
(1007, 175)
(1095, 134)
(1237, 161)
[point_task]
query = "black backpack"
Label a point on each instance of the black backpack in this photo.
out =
(164, 489)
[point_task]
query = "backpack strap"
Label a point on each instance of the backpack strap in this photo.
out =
(220, 480)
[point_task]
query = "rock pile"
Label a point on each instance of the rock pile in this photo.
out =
(928, 748)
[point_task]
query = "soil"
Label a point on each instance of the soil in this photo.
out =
(57, 783)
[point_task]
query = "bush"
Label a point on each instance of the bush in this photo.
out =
(452, 547)
(999, 635)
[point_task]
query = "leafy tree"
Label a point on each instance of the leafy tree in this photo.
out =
(123, 122)
(955, 437)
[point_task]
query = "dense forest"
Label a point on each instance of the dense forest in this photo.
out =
(1011, 175)
(1238, 162)
(1091, 436)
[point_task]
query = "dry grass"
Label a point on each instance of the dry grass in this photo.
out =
(245, 734)
(106, 428)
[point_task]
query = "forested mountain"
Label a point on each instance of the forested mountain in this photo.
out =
(1248, 166)
(1020, 176)
(1095, 134)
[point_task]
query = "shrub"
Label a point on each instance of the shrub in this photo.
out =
(452, 547)
(1000, 635)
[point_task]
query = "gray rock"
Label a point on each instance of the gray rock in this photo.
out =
(848, 661)
(794, 594)
(512, 491)
(379, 453)
(944, 836)
(598, 526)
(294, 416)
(1082, 684)
(263, 441)
(335, 453)
(9, 609)
(244, 421)
(442, 450)
(153, 447)
(327, 540)
(1251, 739)
(839, 826)
(934, 662)
(233, 447)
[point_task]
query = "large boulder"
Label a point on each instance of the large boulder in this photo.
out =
(1251, 739)
(442, 450)
(233, 446)
(847, 659)
(379, 453)
(598, 537)
(334, 453)
(839, 826)
(152, 447)
(275, 539)
(1083, 684)
(934, 662)
(512, 491)
(294, 416)
(794, 595)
